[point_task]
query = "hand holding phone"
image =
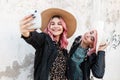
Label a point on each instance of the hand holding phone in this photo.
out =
(36, 21)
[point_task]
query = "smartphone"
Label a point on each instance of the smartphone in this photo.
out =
(36, 21)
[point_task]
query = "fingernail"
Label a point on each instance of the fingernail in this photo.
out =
(33, 16)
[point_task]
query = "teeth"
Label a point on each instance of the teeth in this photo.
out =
(56, 29)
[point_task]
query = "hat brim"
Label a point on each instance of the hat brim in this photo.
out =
(67, 17)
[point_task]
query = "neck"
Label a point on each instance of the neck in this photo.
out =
(83, 45)
(56, 38)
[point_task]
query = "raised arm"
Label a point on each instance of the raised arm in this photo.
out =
(98, 68)
(29, 34)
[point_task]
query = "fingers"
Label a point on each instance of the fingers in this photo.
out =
(31, 30)
(25, 25)
(26, 20)
(102, 46)
(26, 17)
(25, 28)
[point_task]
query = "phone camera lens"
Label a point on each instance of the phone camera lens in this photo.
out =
(35, 11)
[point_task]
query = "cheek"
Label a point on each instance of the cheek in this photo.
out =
(87, 40)
(90, 42)
(51, 26)
(61, 28)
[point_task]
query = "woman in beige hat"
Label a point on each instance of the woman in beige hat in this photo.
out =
(50, 45)
(83, 57)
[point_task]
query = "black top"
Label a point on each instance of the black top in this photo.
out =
(45, 55)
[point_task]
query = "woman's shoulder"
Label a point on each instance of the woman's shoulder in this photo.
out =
(77, 39)
(41, 34)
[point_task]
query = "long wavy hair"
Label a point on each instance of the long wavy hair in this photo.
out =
(63, 37)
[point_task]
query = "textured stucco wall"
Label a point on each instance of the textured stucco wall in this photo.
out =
(17, 57)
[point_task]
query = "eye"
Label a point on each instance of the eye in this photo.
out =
(59, 23)
(52, 23)
(91, 32)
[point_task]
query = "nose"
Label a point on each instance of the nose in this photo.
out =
(55, 25)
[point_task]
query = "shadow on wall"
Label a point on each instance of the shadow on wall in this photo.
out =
(15, 71)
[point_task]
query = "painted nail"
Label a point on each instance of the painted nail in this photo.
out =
(33, 16)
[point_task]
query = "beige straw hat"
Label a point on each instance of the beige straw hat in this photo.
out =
(67, 17)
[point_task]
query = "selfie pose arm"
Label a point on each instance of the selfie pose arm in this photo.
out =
(98, 68)
(29, 34)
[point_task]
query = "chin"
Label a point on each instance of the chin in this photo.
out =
(56, 34)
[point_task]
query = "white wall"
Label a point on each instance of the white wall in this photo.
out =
(16, 56)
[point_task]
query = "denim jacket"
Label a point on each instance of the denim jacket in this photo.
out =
(94, 63)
